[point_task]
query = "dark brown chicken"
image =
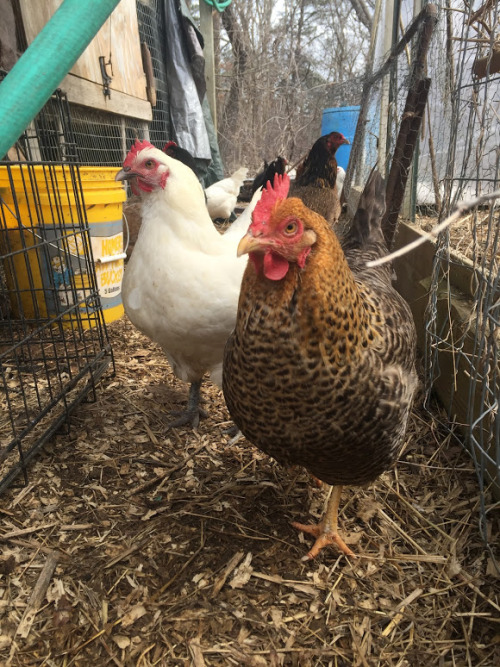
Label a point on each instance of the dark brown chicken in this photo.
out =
(315, 183)
(320, 369)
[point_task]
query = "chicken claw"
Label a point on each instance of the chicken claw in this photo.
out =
(323, 539)
(317, 482)
(234, 433)
(326, 531)
(186, 417)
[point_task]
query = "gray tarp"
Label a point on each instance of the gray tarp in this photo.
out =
(189, 110)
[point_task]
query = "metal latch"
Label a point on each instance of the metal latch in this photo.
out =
(106, 78)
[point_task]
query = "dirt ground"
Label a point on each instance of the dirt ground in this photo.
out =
(137, 545)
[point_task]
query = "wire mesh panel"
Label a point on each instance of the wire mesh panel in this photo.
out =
(78, 133)
(49, 137)
(152, 33)
(63, 132)
(94, 137)
(453, 287)
(103, 138)
(53, 339)
(450, 155)
(472, 169)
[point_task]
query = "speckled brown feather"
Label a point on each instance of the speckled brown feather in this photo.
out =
(319, 371)
(323, 199)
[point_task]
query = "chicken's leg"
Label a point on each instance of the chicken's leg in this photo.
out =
(326, 531)
(193, 411)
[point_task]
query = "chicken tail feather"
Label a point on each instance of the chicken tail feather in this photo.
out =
(366, 224)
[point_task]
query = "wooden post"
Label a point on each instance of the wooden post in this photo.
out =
(410, 199)
(207, 30)
(403, 155)
(384, 95)
(409, 128)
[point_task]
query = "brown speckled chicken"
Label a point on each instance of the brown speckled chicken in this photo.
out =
(316, 180)
(320, 369)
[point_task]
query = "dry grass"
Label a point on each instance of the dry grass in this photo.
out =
(472, 237)
(133, 545)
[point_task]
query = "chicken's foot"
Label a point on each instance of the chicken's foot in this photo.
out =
(326, 531)
(234, 434)
(193, 412)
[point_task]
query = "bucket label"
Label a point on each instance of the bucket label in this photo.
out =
(64, 270)
(74, 245)
(109, 274)
(109, 278)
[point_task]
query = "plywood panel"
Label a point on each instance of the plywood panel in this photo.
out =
(119, 37)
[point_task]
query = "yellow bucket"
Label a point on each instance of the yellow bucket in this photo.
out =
(47, 267)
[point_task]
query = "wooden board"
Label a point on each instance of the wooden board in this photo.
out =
(119, 37)
(86, 93)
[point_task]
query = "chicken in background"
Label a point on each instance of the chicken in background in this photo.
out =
(223, 195)
(320, 369)
(268, 172)
(173, 150)
(315, 181)
(182, 282)
(220, 197)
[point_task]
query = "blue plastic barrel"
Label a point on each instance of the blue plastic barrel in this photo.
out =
(344, 120)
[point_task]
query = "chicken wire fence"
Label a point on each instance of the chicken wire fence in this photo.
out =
(53, 340)
(470, 168)
(429, 114)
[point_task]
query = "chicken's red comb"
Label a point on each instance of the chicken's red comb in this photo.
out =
(271, 195)
(169, 144)
(136, 148)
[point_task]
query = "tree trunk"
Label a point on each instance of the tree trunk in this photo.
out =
(233, 100)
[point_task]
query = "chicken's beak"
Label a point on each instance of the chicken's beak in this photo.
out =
(248, 244)
(346, 141)
(124, 174)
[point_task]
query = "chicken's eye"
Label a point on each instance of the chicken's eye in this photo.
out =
(291, 228)
(149, 164)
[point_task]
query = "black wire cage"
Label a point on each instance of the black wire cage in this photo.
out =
(54, 346)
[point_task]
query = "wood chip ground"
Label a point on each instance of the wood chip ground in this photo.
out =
(136, 545)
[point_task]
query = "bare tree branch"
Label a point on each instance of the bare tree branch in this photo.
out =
(362, 13)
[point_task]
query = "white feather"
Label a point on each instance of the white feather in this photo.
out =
(223, 195)
(340, 179)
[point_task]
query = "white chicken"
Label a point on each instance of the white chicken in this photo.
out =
(182, 282)
(223, 195)
(340, 179)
